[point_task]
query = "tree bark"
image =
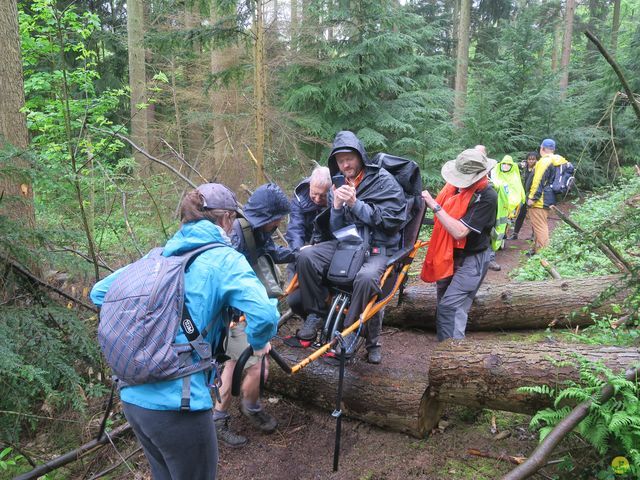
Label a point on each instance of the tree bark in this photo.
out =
(15, 188)
(389, 395)
(418, 375)
(488, 374)
(615, 27)
(566, 46)
(557, 40)
(462, 64)
(511, 306)
(259, 86)
(137, 80)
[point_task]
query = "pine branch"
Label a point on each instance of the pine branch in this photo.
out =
(21, 270)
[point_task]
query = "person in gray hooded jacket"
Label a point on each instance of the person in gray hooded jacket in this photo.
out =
(370, 199)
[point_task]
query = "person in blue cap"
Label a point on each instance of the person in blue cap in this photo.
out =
(540, 195)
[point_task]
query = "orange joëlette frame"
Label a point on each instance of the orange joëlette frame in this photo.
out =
(370, 310)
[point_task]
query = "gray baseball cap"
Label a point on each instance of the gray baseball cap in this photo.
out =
(217, 195)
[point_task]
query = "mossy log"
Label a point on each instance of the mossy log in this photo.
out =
(512, 306)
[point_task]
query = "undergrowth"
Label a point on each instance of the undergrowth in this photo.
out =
(613, 214)
(48, 360)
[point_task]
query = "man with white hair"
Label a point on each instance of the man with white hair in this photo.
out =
(309, 199)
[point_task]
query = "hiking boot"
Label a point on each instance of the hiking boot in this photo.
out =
(513, 236)
(310, 327)
(375, 355)
(260, 419)
(493, 265)
(228, 436)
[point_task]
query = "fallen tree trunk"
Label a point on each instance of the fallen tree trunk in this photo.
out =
(389, 395)
(407, 391)
(488, 374)
(512, 306)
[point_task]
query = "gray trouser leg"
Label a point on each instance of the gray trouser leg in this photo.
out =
(312, 266)
(178, 445)
(456, 294)
(365, 286)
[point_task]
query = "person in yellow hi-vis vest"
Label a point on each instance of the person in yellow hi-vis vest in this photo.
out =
(505, 177)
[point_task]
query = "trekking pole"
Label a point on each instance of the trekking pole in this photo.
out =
(337, 413)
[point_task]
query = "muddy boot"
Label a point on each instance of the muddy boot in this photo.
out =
(310, 328)
(228, 436)
(374, 355)
(259, 419)
(495, 266)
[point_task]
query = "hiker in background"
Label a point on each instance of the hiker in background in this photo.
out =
(251, 236)
(493, 265)
(373, 201)
(459, 250)
(540, 195)
(182, 444)
(527, 178)
(505, 178)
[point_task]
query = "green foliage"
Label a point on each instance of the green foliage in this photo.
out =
(46, 354)
(614, 424)
(378, 76)
(613, 214)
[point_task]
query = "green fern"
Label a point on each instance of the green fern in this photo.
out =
(615, 421)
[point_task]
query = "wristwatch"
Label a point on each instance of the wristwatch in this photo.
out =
(437, 208)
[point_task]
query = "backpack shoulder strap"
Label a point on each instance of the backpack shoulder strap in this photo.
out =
(188, 327)
(249, 240)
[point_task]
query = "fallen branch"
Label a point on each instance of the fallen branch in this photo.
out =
(75, 454)
(502, 456)
(605, 247)
(538, 458)
(616, 68)
(549, 268)
(624, 320)
(21, 270)
(181, 158)
(115, 465)
(148, 155)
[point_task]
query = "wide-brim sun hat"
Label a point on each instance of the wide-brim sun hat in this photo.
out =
(468, 167)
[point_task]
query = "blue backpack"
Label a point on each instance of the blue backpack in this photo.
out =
(139, 321)
(563, 178)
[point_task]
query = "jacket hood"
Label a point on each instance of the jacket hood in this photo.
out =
(506, 159)
(268, 203)
(346, 140)
(193, 235)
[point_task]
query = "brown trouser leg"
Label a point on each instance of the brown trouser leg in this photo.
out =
(538, 219)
